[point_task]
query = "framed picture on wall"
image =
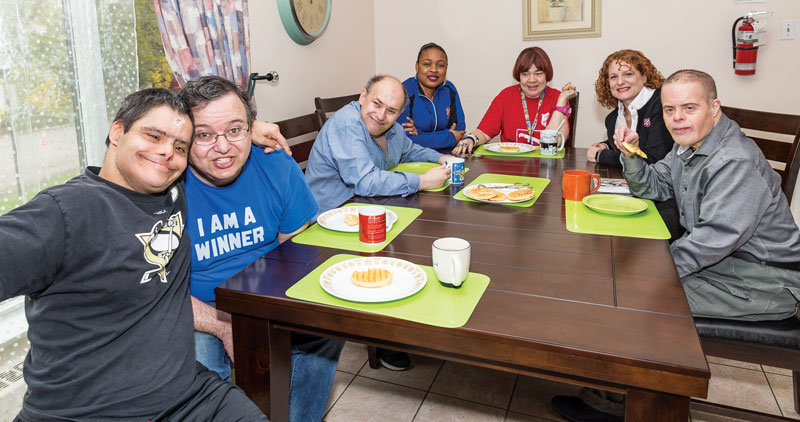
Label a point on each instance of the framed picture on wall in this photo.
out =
(552, 19)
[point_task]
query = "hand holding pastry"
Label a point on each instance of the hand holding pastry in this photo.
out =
(624, 135)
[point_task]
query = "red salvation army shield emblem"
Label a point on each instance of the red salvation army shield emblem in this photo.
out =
(647, 122)
(447, 111)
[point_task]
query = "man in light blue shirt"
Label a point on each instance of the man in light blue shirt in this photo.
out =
(359, 143)
(355, 149)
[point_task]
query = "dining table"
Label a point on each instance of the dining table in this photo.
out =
(595, 310)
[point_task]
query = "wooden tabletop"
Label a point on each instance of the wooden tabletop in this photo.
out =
(594, 310)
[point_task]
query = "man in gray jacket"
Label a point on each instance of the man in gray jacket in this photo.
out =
(740, 255)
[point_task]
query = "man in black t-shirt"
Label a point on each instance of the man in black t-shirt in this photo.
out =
(104, 263)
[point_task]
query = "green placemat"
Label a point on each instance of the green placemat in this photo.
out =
(533, 154)
(422, 168)
(647, 224)
(537, 184)
(433, 305)
(317, 235)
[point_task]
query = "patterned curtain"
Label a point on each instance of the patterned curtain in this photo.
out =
(205, 37)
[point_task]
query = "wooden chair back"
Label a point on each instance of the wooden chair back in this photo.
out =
(572, 120)
(329, 106)
(297, 127)
(770, 127)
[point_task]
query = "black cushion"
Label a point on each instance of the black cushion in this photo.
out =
(784, 333)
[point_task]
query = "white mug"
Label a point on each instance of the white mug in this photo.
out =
(548, 142)
(451, 257)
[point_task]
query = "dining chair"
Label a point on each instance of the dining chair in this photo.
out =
(300, 129)
(771, 128)
(572, 120)
(330, 105)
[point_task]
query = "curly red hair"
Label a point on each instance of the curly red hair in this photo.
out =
(633, 58)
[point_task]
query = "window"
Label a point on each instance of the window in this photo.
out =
(65, 65)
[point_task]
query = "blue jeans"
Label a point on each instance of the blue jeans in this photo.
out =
(314, 361)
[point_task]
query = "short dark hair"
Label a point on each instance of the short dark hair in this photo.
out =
(692, 75)
(533, 56)
(201, 91)
(377, 78)
(429, 46)
(136, 105)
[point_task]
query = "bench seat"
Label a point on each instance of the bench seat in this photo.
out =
(771, 343)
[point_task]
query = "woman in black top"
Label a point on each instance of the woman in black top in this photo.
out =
(629, 84)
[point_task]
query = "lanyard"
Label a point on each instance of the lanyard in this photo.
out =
(527, 117)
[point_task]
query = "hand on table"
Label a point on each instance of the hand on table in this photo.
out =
(464, 146)
(591, 153)
(434, 177)
(409, 127)
(268, 135)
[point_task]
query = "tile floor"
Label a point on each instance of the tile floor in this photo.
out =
(435, 391)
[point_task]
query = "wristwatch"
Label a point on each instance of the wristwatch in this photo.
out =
(565, 110)
(474, 139)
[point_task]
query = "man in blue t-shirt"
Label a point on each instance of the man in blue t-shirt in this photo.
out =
(243, 203)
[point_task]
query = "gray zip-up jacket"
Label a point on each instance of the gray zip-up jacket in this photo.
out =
(729, 199)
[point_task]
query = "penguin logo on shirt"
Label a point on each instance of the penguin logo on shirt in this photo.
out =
(160, 244)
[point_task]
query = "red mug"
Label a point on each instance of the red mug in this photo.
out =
(371, 225)
(575, 184)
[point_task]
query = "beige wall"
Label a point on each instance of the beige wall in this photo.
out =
(338, 63)
(483, 38)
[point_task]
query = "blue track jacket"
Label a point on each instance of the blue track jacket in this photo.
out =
(431, 116)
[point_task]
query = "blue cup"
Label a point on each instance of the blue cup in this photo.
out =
(456, 166)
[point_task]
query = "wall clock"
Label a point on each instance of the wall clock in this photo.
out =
(304, 20)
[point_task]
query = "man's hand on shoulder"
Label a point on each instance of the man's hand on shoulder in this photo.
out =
(268, 136)
(434, 177)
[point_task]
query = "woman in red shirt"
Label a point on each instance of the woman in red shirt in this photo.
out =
(523, 109)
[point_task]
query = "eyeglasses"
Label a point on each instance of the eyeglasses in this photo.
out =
(234, 134)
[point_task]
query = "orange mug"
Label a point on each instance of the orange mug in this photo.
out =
(575, 184)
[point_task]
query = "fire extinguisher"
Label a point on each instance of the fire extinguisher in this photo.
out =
(744, 50)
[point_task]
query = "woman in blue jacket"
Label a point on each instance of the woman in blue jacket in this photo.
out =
(434, 117)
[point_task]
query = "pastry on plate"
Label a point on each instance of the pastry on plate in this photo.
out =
(509, 148)
(372, 277)
(521, 194)
(351, 219)
(500, 197)
(482, 193)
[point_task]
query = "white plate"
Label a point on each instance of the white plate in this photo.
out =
(407, 279)
(523, 148)
(494, 186)
(334, 219)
